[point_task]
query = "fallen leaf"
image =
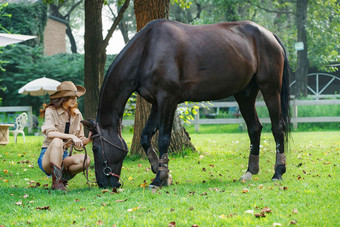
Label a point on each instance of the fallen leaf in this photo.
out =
(204, 193)
(120, 201)
(25, 196)
(266, 210)
(130, 178)
(105, 190)
(114, 190)
(82, 209)
(293, 222)
(295, 211)
(201, 156)
(194, 225)
(133, 209)
(18, 203)
(260, 215)
(245, 190)
(5, 171)
(172, 209)
(77, 200)
(249, 212)
(172, 224)
(139, 165)
(191, 208)
(276, 224)
(99, 222)
(43, 208)
(144, 184)
(103, 204)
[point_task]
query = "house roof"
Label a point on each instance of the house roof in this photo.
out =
(19, 1)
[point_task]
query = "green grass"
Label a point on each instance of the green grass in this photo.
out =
(212, 197)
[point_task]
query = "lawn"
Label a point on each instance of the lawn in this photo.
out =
(206, 189)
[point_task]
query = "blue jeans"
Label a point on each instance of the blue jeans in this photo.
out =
(43, 151)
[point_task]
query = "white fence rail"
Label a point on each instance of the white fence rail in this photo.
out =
(294, 108)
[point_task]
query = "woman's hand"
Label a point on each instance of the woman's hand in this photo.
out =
(88, 139)
(77, 142)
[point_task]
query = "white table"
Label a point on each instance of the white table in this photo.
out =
(4, 133)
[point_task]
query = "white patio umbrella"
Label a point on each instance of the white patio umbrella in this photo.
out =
(41, 86)
(6, 39)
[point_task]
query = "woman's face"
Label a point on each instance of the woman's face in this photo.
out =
(70, 103)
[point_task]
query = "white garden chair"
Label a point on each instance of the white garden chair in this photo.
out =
(20, 123)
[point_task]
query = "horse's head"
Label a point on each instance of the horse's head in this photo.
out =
(109, 151)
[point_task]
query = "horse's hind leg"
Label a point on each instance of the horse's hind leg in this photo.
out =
(146, 136)
(249, 114)
(272, 98)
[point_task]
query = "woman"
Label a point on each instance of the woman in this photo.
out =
(62, 129)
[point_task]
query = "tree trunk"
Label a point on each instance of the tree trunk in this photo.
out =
(302, 57)
(95, 56)
(146, 11)
(95, 52)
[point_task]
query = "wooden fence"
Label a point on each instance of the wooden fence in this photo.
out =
(294, 108)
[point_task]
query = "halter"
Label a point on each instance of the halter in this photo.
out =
(107, 170)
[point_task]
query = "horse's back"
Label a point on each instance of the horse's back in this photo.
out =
(193, 59)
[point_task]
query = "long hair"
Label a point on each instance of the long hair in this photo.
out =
(57, 103)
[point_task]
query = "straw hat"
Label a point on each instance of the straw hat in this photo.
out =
(68, 89)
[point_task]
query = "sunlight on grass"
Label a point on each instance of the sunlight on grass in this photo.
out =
(206, 189)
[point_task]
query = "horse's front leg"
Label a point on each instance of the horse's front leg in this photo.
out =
(146, 136)
(166, 115)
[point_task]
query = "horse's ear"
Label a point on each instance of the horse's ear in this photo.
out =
(90, 124)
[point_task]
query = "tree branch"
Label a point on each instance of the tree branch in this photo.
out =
(72, 8)
(271, 11)
(115, 23)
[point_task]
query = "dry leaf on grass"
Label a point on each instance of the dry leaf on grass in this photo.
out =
(43, 208)
(172, 224)
(245, 190)
(266, 210)
(120, 201)
(18, 203)
(260, 215)
(105, 190)
(133, 209)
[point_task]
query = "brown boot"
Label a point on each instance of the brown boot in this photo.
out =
(57, 183)
(66, 174)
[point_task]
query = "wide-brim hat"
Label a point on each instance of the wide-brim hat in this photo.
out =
(68, 89)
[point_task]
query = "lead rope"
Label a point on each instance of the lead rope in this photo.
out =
(86, 168)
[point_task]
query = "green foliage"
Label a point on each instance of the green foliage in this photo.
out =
(206, 190)
(26, 19)
(27, 63)
(280, 17)
(323, 18)
(184, 4)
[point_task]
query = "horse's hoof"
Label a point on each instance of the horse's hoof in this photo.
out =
(276, 179)
(247, 176)
(164, 183)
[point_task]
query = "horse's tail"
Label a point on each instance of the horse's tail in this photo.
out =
(285, 93)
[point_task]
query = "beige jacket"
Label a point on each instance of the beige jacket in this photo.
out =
(55, 121)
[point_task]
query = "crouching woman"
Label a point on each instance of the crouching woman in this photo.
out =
(62, 129)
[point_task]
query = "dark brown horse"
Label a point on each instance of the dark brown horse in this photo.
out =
(169, 62)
